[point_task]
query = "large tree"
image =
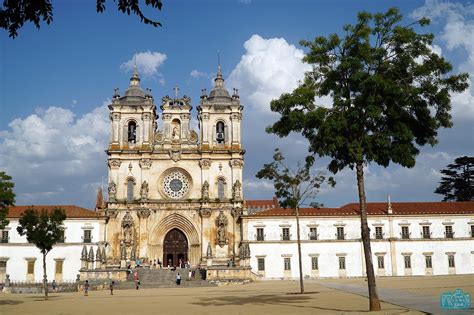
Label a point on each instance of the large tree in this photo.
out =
(44, 229)
(390, 95)
(7, 197)
(14, 13)
(457, 184)
(293, 187)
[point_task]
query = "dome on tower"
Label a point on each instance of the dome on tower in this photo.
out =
(134, 89)
(219, 93)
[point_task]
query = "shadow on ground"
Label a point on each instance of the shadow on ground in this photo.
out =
(10, 302)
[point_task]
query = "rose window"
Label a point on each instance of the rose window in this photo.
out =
(176, 184)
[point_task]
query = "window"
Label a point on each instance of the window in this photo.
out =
(313, 233)
(314, 263)
(407, 260)
(285, 234)
(62, 238)
(87, 236)
(405, 233)
(260, 235)
(130, 185)
(472, 230)
(59, 266)
(342, 263)
(132, 132)
(31, 267)
(428, 262)
(287, 263)
(380, 262)
(378, 232)
(451, 261)
(449, 231)
(220, 132)
(340, 233)
(4, 236)
(220, 189)
(3, 264)
(426, 231)
(261, 264)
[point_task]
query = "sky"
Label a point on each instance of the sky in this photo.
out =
(56, 82)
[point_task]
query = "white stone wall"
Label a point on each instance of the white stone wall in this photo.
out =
(328, 249)
(18, 251)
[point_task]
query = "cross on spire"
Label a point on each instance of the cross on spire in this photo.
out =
(176, 91)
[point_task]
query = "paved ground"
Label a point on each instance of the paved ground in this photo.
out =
(270, 297)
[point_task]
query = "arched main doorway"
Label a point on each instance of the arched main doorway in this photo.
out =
(175, 247)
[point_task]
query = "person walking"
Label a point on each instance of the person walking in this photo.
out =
(178, 279)
(137, 283)
(86, 288)
(111, 287)
(54, 286)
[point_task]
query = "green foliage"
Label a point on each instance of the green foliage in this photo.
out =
(14, 14)
(294, 186)
(457, 184)
(44, 229)
(7, 197)
(390, 92)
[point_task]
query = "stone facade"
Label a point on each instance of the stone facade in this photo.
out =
(167, 180)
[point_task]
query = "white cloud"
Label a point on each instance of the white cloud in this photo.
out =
(52, 153)
(268, 68)
(197, 74)
(147, 62)
(457, 20)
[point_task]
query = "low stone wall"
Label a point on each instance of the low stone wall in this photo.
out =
(101, 275)
(226, 274)
(37, 287)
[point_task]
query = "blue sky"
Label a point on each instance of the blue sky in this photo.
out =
(55, 83)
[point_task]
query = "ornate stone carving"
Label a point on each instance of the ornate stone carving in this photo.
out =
(175, 134)
(193, 136)
(145, 163)
(205, 164)
(244, 250)
(165, 99)
(114, 163)
(127, 227)
(205, 191)
(175, 155)
(205, 212)
(143, 213)
(236, 116)
(144, 191)
(221, 223)
(237, 163)
(205, 116)
(187, 100)
(236, 212)
(111, 213)
(237, 191)
(116, 116)
(167, 116)
(103, 256)
(123, 250)
(90, 258)
(146, 116)
(133, 253)
(159, 137)
(84, 253)
(112, 191)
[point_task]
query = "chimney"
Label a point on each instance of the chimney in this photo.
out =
(389, 205)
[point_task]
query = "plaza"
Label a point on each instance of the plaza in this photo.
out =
(261, 297)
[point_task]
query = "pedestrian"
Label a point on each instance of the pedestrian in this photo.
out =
(137, 283)
(190, 274)
(111, 287)
(86, 288)
(54, 285)
(178, 279)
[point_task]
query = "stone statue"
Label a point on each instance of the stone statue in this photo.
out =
(221, 223)
(128, 234)
(175, 133)
(112, 191)
(144, 191)
(123, 251)
(209, 251)
(237, 191)
(205, 190)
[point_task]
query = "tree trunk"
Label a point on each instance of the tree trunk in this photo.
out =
(365, 232)
(298, 238)
(45, 277)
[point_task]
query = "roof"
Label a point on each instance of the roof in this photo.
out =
(71, 211)
(272, 203)
(377, 208)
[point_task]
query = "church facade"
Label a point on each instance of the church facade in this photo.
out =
(174, 193)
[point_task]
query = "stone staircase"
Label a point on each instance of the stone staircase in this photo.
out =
(164, 278)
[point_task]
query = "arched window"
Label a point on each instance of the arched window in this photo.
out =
(221, 188)
(220, 132)
(132, 132)
(130, 185)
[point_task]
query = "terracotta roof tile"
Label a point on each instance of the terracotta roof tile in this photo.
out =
(71, 211)
(379, 208)
(267, 203)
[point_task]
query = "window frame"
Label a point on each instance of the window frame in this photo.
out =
(451, 261)
(260, 263)
(342, 262)
(405, 236)
(407, 261)
(314, 263)
(426, 232)
(428, 262)
(285, 236)
(340, 233)
(260, 234)
(85, 239)
(381, 262)
(5, 239)
(287, 263)
(379, 233)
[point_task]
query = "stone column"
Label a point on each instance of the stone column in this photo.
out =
(115, 128)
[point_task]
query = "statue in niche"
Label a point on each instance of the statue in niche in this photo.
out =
(221, 223)
(112, 190)
(144, 191)
(175, 133)
(205, 190)
(237, 190)
(127, 234)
